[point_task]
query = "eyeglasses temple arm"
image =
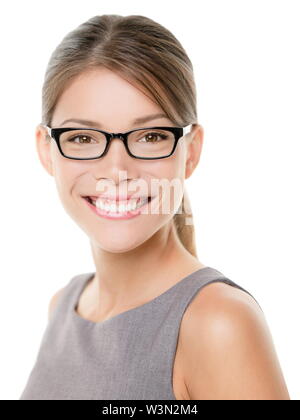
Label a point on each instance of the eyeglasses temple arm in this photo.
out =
(187, 129)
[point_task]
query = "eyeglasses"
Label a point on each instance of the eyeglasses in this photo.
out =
(141, 143)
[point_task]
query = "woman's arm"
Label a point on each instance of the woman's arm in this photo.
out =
(228, 352)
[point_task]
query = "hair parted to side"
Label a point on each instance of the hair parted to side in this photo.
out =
(144, 53)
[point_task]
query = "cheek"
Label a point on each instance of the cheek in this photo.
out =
(167, 180)
(169, 168)
(66, 174)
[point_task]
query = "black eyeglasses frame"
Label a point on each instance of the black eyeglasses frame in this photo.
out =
(54, 133)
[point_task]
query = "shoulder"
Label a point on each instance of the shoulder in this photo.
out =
(53, 301)
(68, 286)
(227, 348)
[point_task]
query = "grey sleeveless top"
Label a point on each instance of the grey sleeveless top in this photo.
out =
(129, 356)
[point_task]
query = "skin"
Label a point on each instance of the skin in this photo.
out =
(225, 319)
(226, 349)
(146, 242)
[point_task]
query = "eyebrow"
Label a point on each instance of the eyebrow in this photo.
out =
(140, 120)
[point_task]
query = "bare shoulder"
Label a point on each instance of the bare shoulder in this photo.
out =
(228, 351)
(53, 301)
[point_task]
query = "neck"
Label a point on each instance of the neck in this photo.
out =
(126, 279)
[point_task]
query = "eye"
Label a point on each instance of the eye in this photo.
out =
(153, 136)
(83, 137)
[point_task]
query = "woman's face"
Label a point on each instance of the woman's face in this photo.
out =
(113, 104)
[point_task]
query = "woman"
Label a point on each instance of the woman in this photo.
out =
(119, 127)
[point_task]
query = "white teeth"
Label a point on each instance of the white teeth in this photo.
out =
(120, 206)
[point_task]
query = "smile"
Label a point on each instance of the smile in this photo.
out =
(117, 209)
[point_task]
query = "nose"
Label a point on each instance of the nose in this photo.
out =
(116, 152)
(117, 161)
(119, 146)
(117, 166)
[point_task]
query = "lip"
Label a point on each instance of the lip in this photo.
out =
(116, 216)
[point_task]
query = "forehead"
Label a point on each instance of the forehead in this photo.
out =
(102, 96)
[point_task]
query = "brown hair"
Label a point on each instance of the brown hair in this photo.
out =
(144, 53)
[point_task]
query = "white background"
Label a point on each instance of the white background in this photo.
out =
(244, 193)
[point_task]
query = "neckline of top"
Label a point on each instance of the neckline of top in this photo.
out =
(85, 321)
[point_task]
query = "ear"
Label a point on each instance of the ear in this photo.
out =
(43, 147)
(194, 149)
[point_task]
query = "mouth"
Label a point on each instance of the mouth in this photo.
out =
(111, 207)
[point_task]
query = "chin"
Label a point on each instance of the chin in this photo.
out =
(120, 242)
(116, 248)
